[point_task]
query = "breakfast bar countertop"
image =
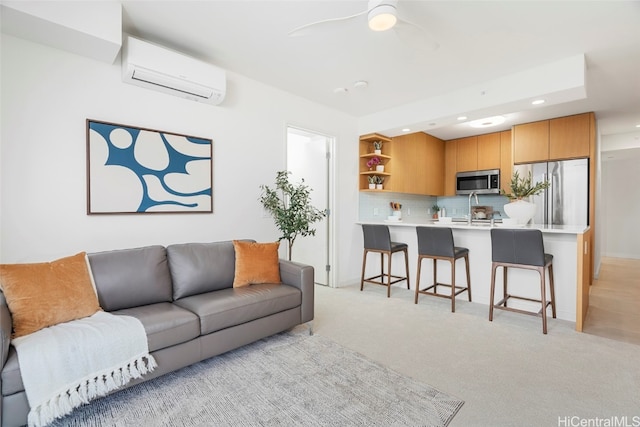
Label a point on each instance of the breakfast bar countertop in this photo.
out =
(415, 222)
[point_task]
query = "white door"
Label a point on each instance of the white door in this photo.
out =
(308, 158)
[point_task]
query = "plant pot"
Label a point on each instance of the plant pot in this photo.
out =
(380, 168)
(378, 186)
(521, 210)
(372, 186)
(377, 151)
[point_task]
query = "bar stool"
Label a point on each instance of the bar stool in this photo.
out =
(377, 239)
(437, 243)
(521, 249)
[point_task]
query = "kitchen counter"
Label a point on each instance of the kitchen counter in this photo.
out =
(566, 243)
(564, 229)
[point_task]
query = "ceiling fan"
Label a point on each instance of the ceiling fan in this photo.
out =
(382, 15)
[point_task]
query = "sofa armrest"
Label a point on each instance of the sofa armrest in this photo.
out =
(300, 276)
(5, 329)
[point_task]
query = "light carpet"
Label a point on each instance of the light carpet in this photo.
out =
(290, 379)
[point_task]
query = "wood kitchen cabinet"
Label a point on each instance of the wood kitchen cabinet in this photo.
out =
(489, 153)
(531, 142)
(556, 139)
(418, 167)
(450, 167)
(506, 162)
(467, 154)
(569, 137)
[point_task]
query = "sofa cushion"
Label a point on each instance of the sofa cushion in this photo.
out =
(197, 268)
(131, 277)
(230, 307)
(47, 293)
(256, 263)
(165, 324)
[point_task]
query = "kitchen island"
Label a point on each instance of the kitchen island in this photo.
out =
(567, 244)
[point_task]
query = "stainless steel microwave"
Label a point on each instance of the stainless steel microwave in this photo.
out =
(480, 182)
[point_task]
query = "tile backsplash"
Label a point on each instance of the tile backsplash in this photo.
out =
(375, 206)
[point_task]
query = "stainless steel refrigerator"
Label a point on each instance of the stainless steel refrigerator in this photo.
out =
(566, 201)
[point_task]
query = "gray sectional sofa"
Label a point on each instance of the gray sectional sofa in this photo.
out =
(183, 294)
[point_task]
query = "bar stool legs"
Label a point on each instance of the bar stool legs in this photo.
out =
(383, 278)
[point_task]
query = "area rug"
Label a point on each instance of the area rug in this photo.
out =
(289, 379)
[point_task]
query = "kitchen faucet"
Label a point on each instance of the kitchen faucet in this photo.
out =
(473, 193)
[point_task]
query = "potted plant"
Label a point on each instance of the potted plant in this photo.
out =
(372, 182)
(379, 181)
(521, 188)
(374, 161)
(377, 147)
(290, 206)
(435, 208)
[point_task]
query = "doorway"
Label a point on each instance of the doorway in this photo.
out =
(309, 158)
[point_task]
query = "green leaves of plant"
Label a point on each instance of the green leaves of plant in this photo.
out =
(290, 206)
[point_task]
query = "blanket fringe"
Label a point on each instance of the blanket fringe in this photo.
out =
(89, 389)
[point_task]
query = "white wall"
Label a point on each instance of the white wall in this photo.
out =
(47, 95)
(620, 208)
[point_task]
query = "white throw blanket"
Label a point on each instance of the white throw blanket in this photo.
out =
(66, 365)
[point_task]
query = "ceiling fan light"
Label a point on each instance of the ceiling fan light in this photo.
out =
(382, 17)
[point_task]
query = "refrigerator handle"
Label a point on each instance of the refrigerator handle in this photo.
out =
(547, 195)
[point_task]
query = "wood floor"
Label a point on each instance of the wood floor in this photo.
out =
(614, 301)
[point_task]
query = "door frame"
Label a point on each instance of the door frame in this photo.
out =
(331, 194)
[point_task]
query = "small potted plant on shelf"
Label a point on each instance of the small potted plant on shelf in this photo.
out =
(435, 208)
(372, 182)
(521, 188)
(374, 161)
(379, 181)
(377, 147)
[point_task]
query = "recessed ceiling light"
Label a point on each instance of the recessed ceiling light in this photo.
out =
(538, 102)
(488, 122)
(638, 126)
(361, 84)
(340, 90)
(462, 118)
(406, 130)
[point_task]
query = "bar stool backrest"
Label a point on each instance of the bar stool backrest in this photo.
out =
(435, 241)
(515, 246)
(377, 237)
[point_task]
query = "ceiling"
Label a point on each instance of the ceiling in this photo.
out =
(479, 45)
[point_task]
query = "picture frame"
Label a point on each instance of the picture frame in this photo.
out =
(134, 170)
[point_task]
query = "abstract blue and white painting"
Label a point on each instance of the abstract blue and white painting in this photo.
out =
(137, 170)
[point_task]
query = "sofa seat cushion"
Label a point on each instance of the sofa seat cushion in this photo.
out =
(11, 377)
(165, 324)
(230, 307)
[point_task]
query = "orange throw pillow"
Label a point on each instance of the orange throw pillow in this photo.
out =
(256, 263)
(45, 294)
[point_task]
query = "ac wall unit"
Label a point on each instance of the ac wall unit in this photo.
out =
(155, 67)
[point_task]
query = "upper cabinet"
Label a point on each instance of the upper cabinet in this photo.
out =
(531, 142)
(488, 151)
(569, 137)
(555, 139)
(450, 167)
(373, 172)
(418, 167)
(506, 162)
(467, 154)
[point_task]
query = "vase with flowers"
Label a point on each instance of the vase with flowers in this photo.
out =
(521, 188)
(374, 162)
